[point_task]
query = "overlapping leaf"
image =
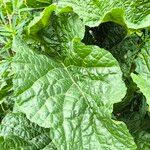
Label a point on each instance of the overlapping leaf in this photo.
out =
(41, 21)
(126, 52)
(134, 14)
(5, 80)
(16, 132)
(142, 139)
(142, 78)
(62, 29)
(6, 102)
(138, 122)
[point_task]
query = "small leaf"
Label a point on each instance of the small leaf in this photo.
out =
(41, 21)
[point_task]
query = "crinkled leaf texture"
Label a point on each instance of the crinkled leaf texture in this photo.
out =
(17, 133)
(142, 78)
(6, 102)
(62, 29)
(73, 95)
(5, 84)
(134, 14)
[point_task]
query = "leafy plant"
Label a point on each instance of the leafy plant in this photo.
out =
(74, 75)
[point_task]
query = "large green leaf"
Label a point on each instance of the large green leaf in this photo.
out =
(134, 14)
(142, 78)
(74, 95)
(16, 133)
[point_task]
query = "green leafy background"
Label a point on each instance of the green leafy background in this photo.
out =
(74, 75)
